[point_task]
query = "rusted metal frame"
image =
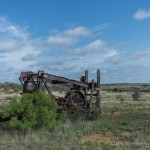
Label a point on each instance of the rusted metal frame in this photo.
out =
(63, 80)
(43, 78)
(91, 95)
(58, 79)
(38, 82)
(86, 89)
(98, 90)
(57, 82)
(34, 84)
(45, 85)
(39, 78)
(21, 81)
(25, 84)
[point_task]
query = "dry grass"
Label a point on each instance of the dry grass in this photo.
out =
(124, 122)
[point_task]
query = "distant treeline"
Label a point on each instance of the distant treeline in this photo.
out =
(10, 86)
(126, 87)
(15, 87)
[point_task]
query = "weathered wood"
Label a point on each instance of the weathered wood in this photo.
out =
(86, 89)
(98, 91)
(39, 81)
(92, 90)
(59, 80)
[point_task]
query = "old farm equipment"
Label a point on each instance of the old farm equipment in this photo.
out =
(82, 94)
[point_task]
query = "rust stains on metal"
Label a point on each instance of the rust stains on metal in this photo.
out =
(80, 96)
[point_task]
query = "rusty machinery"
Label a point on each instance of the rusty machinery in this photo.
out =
(82, 94)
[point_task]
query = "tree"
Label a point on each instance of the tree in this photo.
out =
(34, 111)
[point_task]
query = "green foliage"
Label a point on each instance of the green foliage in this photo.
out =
(34, 111)
(120, 98)
(117, 89)
(15, 86)
(124, 125)
(125, 87)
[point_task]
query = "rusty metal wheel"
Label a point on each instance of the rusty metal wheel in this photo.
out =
(75, 100)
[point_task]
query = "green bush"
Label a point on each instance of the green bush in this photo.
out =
(34, 111)
(117, 89)
(120, 98)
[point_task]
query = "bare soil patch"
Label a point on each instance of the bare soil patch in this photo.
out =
(101, 139)
(109, 138)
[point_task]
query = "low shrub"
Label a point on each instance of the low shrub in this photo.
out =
(33, 111)
(117, 89)
(120, 98)
(136, 95)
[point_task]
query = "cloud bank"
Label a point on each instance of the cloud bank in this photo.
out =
(68, 53)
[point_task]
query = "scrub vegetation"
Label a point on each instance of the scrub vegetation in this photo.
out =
(124, 123)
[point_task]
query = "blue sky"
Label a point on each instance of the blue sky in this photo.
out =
(65, 37)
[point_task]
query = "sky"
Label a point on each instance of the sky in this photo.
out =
(66, 37)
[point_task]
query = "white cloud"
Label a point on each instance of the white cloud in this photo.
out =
(60, 40)
(69, 36)
(17, 32)
(15, 58)
(13, 30)
(142, 14)
(7, 45)
(78, 31)
(111, 52)
(15, 45)
(20, 52)
(97, 45)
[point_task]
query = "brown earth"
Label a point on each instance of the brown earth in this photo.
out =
(101, 138)
(109, 138)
